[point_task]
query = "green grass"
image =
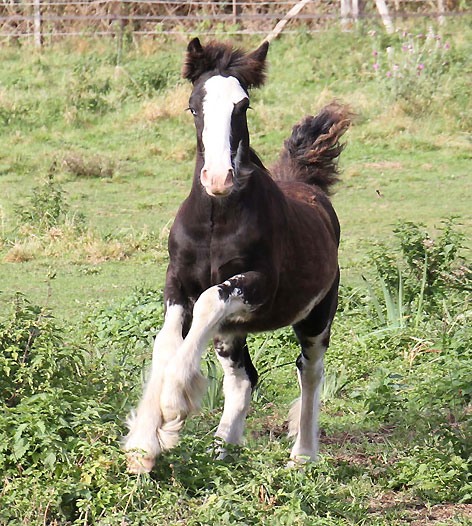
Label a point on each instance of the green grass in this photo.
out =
(396, 424)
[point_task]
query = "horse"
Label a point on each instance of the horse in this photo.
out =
(249, 250)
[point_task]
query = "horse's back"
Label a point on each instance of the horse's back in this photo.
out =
(300, 194)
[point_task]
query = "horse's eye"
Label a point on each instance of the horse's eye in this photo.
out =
(192, 111)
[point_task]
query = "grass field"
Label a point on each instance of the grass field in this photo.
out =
(96, 157)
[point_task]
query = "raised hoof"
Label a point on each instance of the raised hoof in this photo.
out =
(137, 463)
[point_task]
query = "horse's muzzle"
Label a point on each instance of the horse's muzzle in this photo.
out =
(217, 184)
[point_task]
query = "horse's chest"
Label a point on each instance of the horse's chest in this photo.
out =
(214, 259)
(231, 253)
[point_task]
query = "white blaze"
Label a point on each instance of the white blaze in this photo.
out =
(222, 93)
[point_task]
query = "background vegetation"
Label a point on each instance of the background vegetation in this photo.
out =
(97, 153)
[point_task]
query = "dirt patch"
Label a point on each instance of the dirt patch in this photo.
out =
(343, 438)
(272, 424)
(442, 513)
(415, 512)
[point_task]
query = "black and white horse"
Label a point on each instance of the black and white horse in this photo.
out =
(249, 251)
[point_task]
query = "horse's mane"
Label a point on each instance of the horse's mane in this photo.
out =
(225, 60)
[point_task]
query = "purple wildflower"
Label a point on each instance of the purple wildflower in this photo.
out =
(421, 35)
(375, 53)
(375, 66)
(404, 48)
(420, 66)
(389, 74)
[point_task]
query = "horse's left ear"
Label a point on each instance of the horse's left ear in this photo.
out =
(256, 65)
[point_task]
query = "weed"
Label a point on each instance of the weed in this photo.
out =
(87, 93)
(94, 166)
(411, 69)
(47, 206)
(416, 276)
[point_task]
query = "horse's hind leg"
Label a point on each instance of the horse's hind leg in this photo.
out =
(240, 378)
(313, 333)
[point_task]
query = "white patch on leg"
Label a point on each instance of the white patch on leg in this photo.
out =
(238, 391)
(294, 417)
(142, 443)
(304, 414)
(184, 384)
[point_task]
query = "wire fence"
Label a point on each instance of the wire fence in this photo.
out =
(41, 19)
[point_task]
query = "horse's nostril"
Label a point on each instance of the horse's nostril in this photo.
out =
(229, 177)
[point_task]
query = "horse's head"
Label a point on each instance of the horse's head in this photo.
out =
(221, 78)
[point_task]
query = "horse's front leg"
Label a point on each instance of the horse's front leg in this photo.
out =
(143, 443)
(234, 300)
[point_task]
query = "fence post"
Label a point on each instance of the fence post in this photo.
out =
(236, 11)
(282, 23)
(38, 39)
(345, 13)
(355, 10)
(441, 11)
(384, 15)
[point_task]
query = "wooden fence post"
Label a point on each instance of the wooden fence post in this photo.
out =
(38, 39)
(441, 11)
(282, 23)
(345, 13)
(384, 15)
(236, 11)
(355, 10)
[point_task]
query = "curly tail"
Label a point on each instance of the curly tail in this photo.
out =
(310, 154)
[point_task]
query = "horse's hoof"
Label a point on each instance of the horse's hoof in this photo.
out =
(299, 462)
(218, 450)
(137, 463)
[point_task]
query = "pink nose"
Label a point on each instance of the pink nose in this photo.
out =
(215, 183)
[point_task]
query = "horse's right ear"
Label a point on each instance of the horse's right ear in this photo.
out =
(191, 69)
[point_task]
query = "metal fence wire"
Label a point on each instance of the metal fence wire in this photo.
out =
(41, 19)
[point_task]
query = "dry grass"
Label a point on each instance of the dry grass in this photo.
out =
(172, 104)
(392, 121)
(93, 166)
(58, 242)
(23, 250)
(4, 97)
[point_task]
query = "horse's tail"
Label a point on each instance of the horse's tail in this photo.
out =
(310, 154)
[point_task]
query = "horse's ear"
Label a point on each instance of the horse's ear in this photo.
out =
(256, 65)
(191, 69)
(194, 47)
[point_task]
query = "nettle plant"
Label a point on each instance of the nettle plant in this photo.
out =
(411, 68)
(47, 206)
(418, 273)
